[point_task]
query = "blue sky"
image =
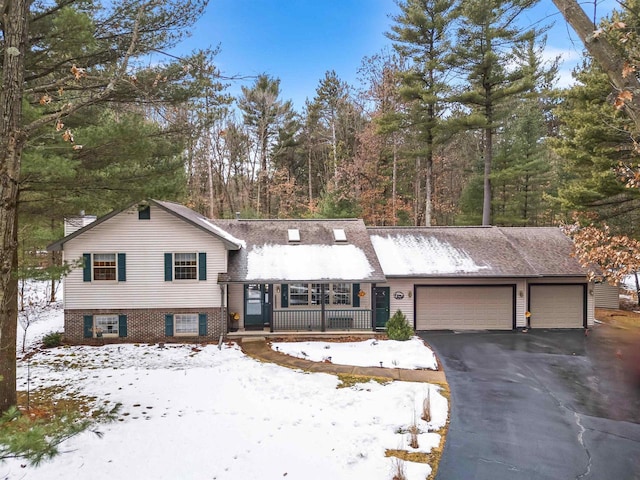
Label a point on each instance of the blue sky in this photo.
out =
(299, 40)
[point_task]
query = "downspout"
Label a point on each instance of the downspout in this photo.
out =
(224, 300)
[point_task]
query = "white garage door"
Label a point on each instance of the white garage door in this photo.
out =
(556, 306)
(464, 308)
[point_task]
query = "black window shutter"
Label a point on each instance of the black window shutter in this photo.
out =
(168, 325)
(122, 325)
(356, 294)
(202, 324)
(86, 267)
(88, 326)
(284, 295)
(168, 267)
(202, 266)
(122, 267)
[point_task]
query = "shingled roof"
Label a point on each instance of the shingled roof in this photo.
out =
(547, 249)
(175, 209)
(474, 252)
(270, 256)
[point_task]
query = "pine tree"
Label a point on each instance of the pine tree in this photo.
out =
(593, 140)
(54, 76)
(264, 113)
(421, 34)
(487, 35)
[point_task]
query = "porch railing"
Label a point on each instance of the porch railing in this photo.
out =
(311, 320)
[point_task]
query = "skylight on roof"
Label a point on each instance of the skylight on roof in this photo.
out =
(339, 235)
(293, 234)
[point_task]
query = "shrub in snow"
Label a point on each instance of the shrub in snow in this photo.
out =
(398, 328)
(51, 340)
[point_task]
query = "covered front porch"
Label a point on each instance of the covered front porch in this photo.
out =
(307, 307)
(315, 275)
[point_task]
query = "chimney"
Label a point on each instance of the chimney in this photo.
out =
(72, 224)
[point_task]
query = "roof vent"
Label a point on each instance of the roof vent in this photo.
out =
(293, 234)
(339, 235)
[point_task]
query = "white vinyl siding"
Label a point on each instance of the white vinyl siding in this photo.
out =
(236, 301)
(606, 295)
(144, 243)
(406, 303)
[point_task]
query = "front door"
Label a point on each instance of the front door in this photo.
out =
(382, 306)
(256, 305)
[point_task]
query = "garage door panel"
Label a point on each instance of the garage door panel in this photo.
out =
(556, 306)
(464, 308)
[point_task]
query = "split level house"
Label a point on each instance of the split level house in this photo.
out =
(157, 271)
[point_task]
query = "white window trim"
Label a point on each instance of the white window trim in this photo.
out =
(174, 266)
(98, 330)
(329, 290)
(185, 334)
(93, 267)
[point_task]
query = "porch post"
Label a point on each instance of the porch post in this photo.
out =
(373, 307)
(323, 324)
(272, 298)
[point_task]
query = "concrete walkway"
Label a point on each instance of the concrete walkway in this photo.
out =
(257, 348)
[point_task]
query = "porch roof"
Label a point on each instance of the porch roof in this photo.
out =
(270, 255)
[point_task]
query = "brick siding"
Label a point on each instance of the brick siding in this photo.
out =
(144, 325)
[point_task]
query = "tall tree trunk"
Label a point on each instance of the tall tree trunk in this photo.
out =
(609, 58)
(488, 158)
(309, 157)
(12, 140)
(394, 180)
(263, 198)
(207, 157)
(210, 184)
(428, 181)
(428, 188)
(334, 145)
(417, 193)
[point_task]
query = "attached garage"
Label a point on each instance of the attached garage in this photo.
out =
(468, 307)
(557, 306)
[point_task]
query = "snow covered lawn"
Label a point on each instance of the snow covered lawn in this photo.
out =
(197, 412)
(412, 354)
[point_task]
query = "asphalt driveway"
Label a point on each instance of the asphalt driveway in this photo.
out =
(540, 405)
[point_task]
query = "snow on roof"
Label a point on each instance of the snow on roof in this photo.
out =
(222, 233)
(307, 262)
(419, 255)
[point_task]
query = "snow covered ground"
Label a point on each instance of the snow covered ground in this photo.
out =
(630, 282)
(412, 354)
(197, 412)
